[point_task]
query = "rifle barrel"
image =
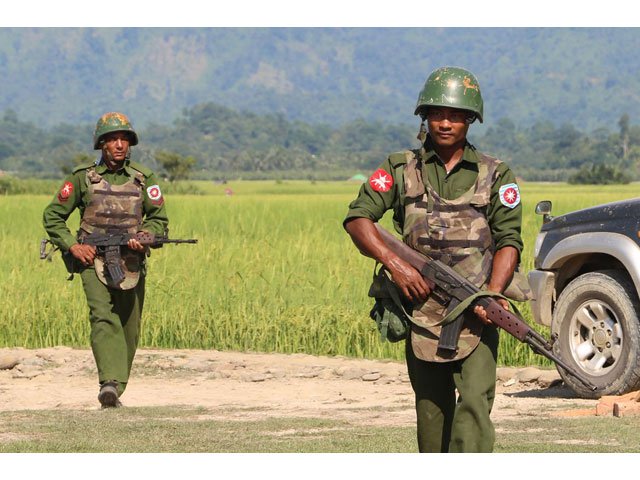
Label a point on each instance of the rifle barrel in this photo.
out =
(189, 240)
(540, 346)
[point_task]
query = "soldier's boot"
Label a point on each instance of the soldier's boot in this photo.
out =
(108, 396)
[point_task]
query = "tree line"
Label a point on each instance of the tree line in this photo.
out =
(209, 141)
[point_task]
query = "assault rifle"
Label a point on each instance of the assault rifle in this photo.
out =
(455, 289)
(108, 245)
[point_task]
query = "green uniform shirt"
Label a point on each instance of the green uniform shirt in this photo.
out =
(505, 222)
(74, 194)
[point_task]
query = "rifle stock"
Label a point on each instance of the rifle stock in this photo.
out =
(459, 288)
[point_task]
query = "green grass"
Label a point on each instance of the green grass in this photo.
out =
(569, 435)
(273, 271)
(181, 430)
(164, 430)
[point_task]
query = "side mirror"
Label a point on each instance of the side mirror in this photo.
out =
(544, 208)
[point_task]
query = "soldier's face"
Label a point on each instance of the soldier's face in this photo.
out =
(116, 146)
(448, 126)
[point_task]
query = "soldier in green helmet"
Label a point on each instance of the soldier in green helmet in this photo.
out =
(462, 207)
(113, 195)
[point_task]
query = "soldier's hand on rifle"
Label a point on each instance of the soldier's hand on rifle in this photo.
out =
(482, 313)
(135, 245)
(411, 282)
(84, 253)
(504, 263)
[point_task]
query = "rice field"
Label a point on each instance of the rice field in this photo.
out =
(273, 271)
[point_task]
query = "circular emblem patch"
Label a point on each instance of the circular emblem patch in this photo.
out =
(510, 195)
(65, 191)
(381, 181)
(155, 195)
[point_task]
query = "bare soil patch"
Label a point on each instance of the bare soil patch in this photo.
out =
(247, 386)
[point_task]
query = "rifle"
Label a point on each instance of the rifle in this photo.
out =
(108, 244)
(450, 284)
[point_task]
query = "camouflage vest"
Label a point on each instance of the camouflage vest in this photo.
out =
(111, 209)
(457, 233)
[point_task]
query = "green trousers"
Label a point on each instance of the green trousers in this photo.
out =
(115, 317)
(447, 423)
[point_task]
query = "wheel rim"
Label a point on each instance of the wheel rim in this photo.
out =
(596, 337)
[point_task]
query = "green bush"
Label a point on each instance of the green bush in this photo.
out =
(16, 186)
(599, 175)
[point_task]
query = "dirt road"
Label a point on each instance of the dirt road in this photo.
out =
(248, 385)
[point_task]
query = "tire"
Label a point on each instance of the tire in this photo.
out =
(596, 321)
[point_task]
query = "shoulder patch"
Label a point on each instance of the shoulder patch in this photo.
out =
(381, 180)
(65, 192)
(155, 195)
(510, 195)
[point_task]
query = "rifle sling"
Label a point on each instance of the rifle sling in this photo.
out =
(452, 322)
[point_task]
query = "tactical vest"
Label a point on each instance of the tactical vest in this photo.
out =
(457, 233)
(115, 209)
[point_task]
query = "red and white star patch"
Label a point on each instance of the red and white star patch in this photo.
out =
(381, 181)
(65, 191)
(510, 195)
(155, 195)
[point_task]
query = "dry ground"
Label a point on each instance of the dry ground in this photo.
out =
(251, 385)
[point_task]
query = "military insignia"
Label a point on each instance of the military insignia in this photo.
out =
(65, 192)
(155, 195)
(381, 181)
(510, 195)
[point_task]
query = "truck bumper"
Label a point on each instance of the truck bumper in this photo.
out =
(542, 287)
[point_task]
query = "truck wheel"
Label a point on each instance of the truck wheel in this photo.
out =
(596, 320)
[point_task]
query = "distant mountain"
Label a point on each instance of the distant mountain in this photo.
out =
(584, 76)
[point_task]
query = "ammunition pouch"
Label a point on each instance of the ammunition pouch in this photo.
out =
(389, 312)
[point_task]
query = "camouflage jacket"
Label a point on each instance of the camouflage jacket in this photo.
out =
(505, 219)
(74, 194)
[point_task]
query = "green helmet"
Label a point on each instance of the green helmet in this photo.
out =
(452, 87)
(113, 122)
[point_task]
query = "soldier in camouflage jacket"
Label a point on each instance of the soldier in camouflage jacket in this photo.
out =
(455, 204)
(113, 195)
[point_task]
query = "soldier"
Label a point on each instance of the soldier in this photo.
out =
(113, 195)
(462, 207)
